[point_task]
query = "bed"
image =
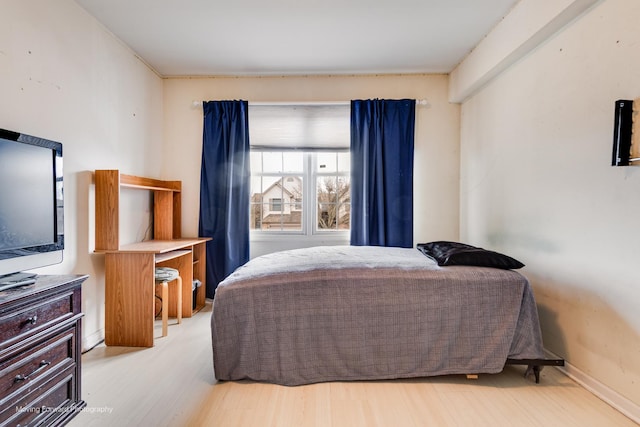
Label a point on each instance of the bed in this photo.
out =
(345, 313)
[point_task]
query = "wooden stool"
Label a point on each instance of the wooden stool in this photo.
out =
(164, 275)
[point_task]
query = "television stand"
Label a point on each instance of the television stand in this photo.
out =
(40, 352)
(16, 280)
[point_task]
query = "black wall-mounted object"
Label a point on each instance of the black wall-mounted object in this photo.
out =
(622, 133)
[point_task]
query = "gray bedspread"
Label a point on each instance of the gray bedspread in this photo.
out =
(363, 313)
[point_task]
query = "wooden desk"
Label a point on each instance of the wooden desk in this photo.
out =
(130, 286)
(130, 269)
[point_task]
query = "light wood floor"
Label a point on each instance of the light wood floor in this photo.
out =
(172, 384)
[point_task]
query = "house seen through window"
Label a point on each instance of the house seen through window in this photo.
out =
(300, 169)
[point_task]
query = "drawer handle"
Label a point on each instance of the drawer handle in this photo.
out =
(43, 364)
(31, 320)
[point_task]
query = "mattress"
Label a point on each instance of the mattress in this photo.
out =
(346, 313)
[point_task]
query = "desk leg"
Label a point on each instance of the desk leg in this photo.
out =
(129, 299)
(199, 272)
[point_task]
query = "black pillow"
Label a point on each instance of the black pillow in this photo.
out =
(454, 253)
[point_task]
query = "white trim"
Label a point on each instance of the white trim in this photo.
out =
(608, 395)
(92, 340)
(528, 25)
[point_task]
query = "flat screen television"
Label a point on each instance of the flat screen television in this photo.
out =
(31, 206)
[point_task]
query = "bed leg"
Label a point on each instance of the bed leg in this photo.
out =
(535, 370)
(534, 366)
(472, 376)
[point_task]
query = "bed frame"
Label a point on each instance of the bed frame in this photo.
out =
(356, 315)
(534, 366)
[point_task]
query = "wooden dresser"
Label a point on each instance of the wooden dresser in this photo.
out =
(40, 349)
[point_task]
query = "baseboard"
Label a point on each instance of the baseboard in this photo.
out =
(92, 340)
(613, 398)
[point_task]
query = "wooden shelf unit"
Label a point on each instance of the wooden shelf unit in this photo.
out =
(167, 206)
(129, 269)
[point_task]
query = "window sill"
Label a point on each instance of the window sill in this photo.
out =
(339, 236)
(263, 243)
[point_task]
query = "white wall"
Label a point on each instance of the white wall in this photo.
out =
(64, 77)
(536, 183)
(436, 141)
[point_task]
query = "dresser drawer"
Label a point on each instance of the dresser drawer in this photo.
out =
(28, 369)
(17, 325)
(53, 404)
(40, 364)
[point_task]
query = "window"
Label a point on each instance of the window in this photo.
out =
(333, 197)
(277, 191)
(276, 205)
(300, 168)
(303, 192)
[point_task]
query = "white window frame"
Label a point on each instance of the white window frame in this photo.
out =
(309, 228)
(284, 126)
(315, 174)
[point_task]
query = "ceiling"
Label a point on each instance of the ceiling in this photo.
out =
(294, 37)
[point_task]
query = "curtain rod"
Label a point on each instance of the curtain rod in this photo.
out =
(199, 103)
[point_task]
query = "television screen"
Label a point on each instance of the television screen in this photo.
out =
(26, 180)
(31, 203)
